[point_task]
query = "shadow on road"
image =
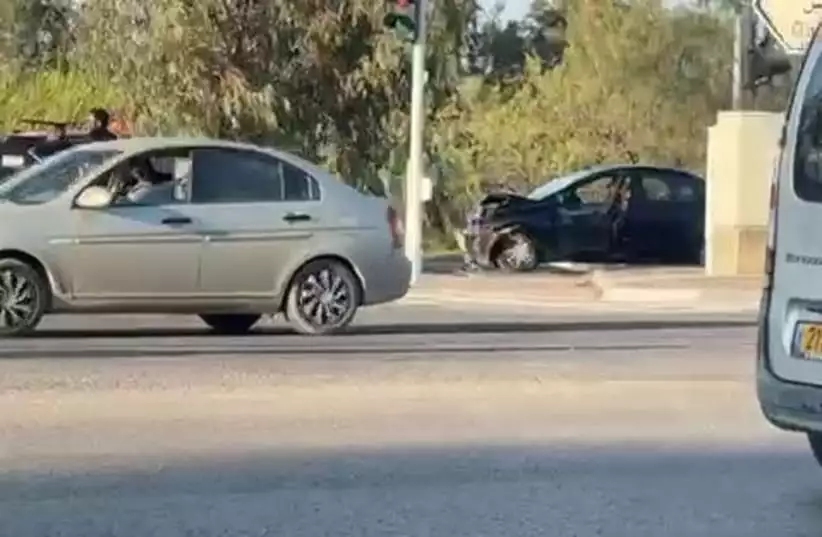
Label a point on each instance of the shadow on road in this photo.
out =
(556, 326)
(384, 352)
(411, 328)
(464, 488)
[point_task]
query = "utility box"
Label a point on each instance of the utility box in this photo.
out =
(742, 151)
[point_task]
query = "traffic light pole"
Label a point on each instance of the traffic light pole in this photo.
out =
(740, 56)
(743, 44)
(414, 172)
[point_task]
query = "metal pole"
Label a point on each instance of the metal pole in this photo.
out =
(745, 39)
(413, 179)
(739, 57)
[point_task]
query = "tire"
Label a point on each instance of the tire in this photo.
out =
(20, 316)
(815, 441)
(323, 298)
(516, 254)
(230, 323)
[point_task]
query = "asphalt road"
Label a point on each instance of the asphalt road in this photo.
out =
(421, 423)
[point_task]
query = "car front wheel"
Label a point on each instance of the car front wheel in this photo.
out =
(23, 297)
(516, 253)
(323, 298)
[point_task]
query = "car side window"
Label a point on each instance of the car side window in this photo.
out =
(684, 189)
(235, 176)
(657, 188)
(154, 178)
(597, 191)
(298, 185)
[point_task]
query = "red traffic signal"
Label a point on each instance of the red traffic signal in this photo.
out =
(401, 17)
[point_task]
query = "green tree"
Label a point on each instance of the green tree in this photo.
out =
(35, 32)
(637, 82)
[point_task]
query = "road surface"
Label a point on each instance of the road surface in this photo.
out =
(446, 424)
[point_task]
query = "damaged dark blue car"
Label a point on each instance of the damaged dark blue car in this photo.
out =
(628, 214)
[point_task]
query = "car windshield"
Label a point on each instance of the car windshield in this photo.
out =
(555, 185)
(48, 179)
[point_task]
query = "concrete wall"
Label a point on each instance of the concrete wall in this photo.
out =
(742, 151)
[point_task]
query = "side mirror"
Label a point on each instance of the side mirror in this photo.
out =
(94, 197)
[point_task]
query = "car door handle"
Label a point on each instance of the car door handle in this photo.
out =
(176, 220)
(296, 217)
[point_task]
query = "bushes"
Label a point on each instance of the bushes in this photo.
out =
(637, 82)
(53, 94)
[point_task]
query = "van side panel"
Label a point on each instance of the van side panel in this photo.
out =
(796, 290)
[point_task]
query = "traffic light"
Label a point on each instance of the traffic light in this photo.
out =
(762, 63)
(402, 18)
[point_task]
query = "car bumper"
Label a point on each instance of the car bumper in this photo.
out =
(478, 247)
(787, 405)
(388, 281)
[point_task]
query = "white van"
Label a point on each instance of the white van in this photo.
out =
(789, 365)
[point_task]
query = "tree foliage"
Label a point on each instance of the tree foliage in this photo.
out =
(574, 83)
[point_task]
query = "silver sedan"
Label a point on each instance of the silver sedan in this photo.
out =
(223, 230)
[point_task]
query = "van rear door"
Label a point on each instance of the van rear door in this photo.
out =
(793, 299)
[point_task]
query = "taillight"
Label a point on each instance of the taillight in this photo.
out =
(395, 226)
(772, 201)
(769, 264)
(770, 248)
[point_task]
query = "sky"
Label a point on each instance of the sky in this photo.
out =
(516, 9)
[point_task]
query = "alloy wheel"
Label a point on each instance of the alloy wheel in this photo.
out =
(324, 297)
(518, 254)
(18, 299)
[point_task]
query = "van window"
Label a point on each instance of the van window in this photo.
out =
(807, 168)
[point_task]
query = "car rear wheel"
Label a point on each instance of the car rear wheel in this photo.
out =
(23, 297)
(230, 323)
(516, 253)
(323, 298)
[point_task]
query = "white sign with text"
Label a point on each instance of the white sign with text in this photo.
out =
(792, 22)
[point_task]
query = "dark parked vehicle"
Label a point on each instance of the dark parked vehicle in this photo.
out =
(22, 149)
(624, 213)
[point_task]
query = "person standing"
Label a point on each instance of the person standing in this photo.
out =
(99, 120)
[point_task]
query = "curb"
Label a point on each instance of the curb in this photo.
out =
(634, 292)
(495, 299)
(592, 305)
(644, 294)
(586, 291)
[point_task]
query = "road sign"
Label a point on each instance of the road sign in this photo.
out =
(791, 22)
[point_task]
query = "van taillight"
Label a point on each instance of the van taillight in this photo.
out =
(770, 248)
(772, 201)
(770, 256)
(395, 226)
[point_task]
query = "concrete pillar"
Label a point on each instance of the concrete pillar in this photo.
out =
(742, 151)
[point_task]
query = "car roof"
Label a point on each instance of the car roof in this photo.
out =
(629, 166)
(142, 144)
(562, 182)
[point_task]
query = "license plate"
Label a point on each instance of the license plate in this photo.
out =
(809, 340)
